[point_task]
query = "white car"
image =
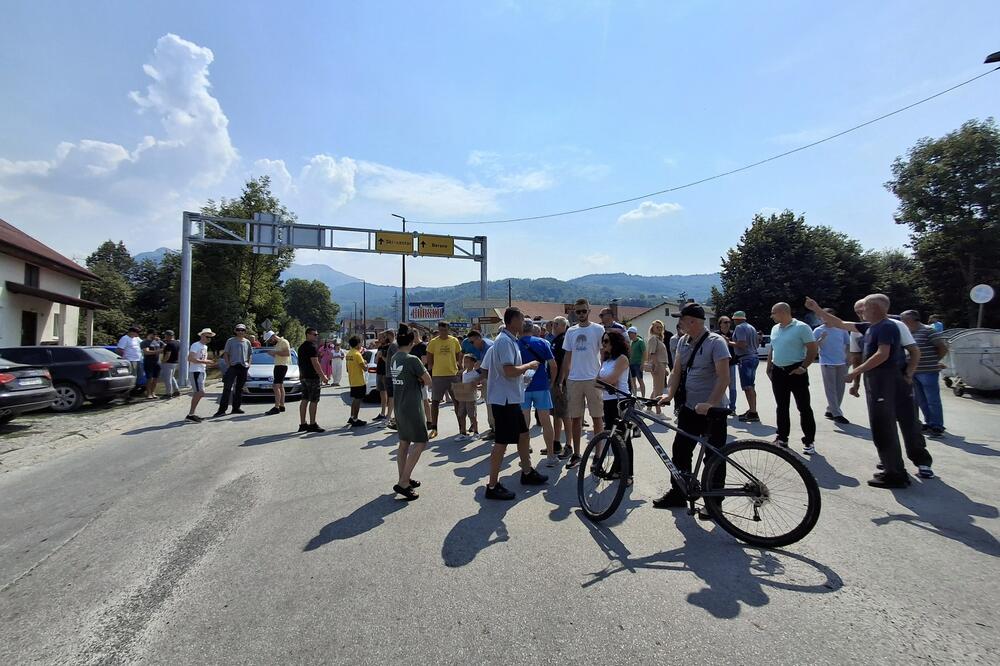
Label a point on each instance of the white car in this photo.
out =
(260, 377)
(765, 347)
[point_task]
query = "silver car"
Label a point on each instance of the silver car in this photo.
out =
(260, 377)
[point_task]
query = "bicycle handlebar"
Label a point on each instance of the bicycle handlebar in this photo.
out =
(648, 402)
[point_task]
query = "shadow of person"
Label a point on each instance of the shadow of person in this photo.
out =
(943, 510)
(753, 429)
(391, 440)
(561, 494)
(827, 476)
(270, 439)
(473, 534)
(962, 443)
(854, 430)
(165, 426)
(363, 519)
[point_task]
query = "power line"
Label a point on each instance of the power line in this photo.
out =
(745, 167)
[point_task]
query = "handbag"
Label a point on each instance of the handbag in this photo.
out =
(680, 397)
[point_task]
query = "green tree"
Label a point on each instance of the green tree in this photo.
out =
(897, 275)
(115, 291)
(949, 197)
(113, 255)
(155, 287)
(310, 303)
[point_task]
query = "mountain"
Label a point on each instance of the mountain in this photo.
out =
(156, 255)
(328, 276)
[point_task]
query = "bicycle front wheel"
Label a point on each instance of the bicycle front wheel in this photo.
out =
(780, 503)
(601, 479)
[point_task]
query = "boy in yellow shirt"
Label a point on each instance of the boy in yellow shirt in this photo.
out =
(357, 370)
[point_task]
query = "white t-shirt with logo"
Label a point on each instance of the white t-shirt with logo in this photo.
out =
(200, 352)
(585, 343)
(130, 348)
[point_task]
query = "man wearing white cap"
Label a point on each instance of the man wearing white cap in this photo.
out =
(199, 362)
(282, 354)
(636, 354)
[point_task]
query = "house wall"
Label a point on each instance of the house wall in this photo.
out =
(12, 305)
(663, 312)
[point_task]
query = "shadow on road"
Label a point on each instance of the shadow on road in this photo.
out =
(473, 534)
(754, 429)
(962, 443)
(945, 511)
(827, 476)
(157, 428)
(363, 519)
(733, 573)
(270, 439)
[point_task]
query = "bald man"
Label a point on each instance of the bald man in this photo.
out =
(793, 350)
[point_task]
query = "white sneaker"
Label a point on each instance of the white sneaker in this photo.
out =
(783, 443)
(809, 449)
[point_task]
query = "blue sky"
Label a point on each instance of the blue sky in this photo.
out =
(117, 116)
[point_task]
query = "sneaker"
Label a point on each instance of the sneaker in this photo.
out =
(936, 433)
(273, 410)
(489, 434)
(703, 514)
(749, 417)
(886, 481)
(925, 472)
(809, 449)
(557, 448)
(175, 394)
(303, 427)
(552, 461)
(574, 460)
(828, 415)
(281, 409)
(193, 417)
(462, 437)
(783, 443)
(407, 493)
(432, 433)
(673, 499)
(380, 417)
(566, 452)
(498, 492)
(358, 423)
(219, 413)
(879, 466)
(924, 428)
(238, 411)
(391, 425)
(842, 420)
(314, 427)
(533, 478)
(350, 421)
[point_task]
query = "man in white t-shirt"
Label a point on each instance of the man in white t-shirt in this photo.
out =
(198, 362)
(128, 349)
(581, 364)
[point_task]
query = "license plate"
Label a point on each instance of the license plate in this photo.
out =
(30, 381)
(122, 371)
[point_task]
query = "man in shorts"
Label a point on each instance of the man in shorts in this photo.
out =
(745, 345)
(444, 355)
(311, 375)
(357, 371)
(537, 395)
(505, 371)
(282, 353)
(199, 363)
(152, 349)
(582, 345)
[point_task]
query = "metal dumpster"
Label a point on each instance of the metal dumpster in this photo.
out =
(973, 360)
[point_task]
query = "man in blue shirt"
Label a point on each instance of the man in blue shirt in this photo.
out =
(537, 395)
(745, 344)
(833, 347)
(793, 349)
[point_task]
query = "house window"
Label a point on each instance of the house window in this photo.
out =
(56, 325)
(30, 275)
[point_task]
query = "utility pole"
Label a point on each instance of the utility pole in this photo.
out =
(508, 294)
(404, 310)
(364, 308)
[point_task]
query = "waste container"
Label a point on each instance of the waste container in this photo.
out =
(973, 360)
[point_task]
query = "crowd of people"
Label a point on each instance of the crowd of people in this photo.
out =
(549, 371)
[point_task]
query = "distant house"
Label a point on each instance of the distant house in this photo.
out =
(663, 312)
(40, 293)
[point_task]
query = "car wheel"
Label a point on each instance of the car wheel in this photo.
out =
(68, 398)
(4, 420)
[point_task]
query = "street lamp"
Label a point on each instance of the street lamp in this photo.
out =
(403, 310)
(992, 58)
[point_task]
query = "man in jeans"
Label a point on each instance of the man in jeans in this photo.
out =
(926, 379)
(745, 344)
(793, 350)
(171, 354)
(238, 356)
(833, 347)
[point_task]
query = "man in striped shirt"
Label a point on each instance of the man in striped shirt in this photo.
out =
(927, 390)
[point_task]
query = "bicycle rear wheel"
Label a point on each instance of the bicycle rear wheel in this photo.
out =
(601, 479)
(779, 510)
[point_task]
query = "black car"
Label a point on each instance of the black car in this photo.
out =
(23, 388)
(78, 373)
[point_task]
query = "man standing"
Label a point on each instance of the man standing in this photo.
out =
(357, 371)
(311, 375)
(444, 354)
(538, 393)
(887, 391)
(480, 346)
(834, 344)
(506, 395)
(420, 351)
(128, 348)
(152, 349)
(793, 349)
(745, 345)
(608, 321)
(282, 353)
(701, 369)
(926, 378)
(168, 368)
(238, 355)
(199, 363)
(636, 352)
(580, 368)
(561, 422)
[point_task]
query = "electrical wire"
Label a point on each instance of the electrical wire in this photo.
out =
(745, 167)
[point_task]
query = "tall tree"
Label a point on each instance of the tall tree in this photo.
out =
(310, 303)
(949, 197)
(113, 255)
(114, 290)
(897, 275)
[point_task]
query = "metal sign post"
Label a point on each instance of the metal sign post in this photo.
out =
(268, 234)
(981, 294)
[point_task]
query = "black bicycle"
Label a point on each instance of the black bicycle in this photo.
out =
(759, 493)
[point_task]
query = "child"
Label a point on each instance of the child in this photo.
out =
(465, 398)
(357, 370)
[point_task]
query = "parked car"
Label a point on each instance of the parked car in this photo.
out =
(371, 386)
(765, 347)
(260, 377)
(78, 373)
(23, 388)
(140, 380)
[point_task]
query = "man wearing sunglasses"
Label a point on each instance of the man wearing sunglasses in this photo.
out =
(581, 365)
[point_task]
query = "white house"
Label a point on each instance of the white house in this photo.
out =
(663, 312)
(40, 293)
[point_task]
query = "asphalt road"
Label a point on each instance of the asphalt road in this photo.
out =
(238, 541)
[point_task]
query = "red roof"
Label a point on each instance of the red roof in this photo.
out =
(16, 243)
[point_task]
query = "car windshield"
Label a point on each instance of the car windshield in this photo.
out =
(261, 357)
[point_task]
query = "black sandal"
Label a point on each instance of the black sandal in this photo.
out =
(414, 483)
(407, 493)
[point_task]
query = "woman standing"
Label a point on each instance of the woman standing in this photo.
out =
(326, 358)
(614, 371)
(726, 331)
(337, 363)
(409, 377)
(656, 359)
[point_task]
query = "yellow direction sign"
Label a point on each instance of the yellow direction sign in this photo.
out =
(438, 246)
(394, 242)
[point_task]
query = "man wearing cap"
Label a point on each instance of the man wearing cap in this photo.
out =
(793, 350)
(168, 368)
(238, 355)
(745, 344)
(636, 353)
(198, 363)
(699, 382)
(282, 353)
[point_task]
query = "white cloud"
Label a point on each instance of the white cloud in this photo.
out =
(648, 210)
(598, 259)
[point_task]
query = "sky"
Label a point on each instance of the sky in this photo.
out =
(117, 116)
